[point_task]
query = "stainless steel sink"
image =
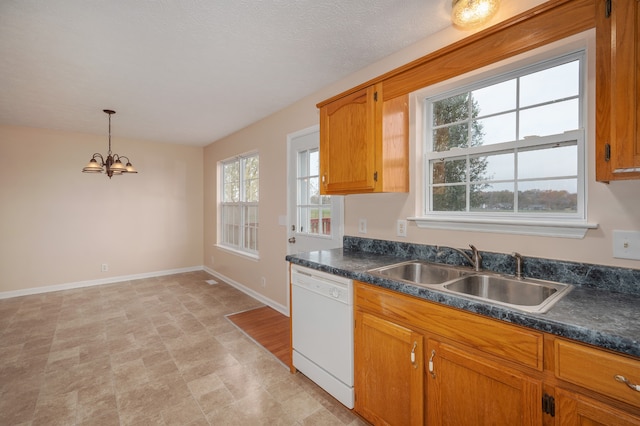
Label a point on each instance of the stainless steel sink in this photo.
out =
(420, 272)
(527, 294)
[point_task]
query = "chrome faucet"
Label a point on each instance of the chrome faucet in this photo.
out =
(519, 260)
(475, 259)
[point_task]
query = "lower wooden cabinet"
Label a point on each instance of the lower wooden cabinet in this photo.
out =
(463, 388)
(421, 363)
(389, 383)
(575, 409)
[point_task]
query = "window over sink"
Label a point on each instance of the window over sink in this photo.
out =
(504, 150)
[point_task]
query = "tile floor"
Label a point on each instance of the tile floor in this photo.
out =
(155, 351)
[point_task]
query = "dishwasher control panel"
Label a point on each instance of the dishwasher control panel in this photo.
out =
(328, 285)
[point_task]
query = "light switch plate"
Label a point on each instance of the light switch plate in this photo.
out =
(626, 245)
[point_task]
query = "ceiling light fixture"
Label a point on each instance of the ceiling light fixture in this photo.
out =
(112, 164)
(472, 13)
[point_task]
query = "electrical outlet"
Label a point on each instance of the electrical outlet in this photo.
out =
(105, 267)
(626, 245)
(401, 228)
(263, 282)
(362, 226)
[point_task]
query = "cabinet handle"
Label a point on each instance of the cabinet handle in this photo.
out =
(413, 355)
(324, 180)
(433, 354)
(626, 381)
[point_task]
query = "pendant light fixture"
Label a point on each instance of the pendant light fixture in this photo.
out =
(112, 165)
(472, 13)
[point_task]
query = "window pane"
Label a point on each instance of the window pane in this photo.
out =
(449, 198)
(314, 163)
(303, 219)
(550, 119)
(550, 84)
(494, 99)
(496, 129)
(492, 197)
(314, 190)
(303, 166)
(451, 110)
(548, 196)
(303, 191)
(315, 221)
(548, 162)
(492, 167)
(326, 221)
(231, 221)
(251, 177)
(250, 227)
(449, 171)
(231, 179)
(446, 138)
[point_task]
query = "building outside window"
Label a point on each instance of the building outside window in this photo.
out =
(239, 204)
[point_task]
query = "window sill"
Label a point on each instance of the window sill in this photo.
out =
(250, 256)
(521, 227)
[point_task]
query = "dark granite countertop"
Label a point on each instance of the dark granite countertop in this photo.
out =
(598, 317)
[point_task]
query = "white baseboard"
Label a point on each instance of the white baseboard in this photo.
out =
(80, 284)
(91, 283)
(284, 310)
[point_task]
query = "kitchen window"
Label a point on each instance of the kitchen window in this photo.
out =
(239, 204)
(506, 153)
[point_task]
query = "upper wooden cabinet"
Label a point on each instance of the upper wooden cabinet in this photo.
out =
(618, 90)
(364, 145)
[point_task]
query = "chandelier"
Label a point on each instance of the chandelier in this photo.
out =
(112, 165)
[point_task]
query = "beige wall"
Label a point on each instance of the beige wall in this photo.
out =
(613, 206)
(58, 225)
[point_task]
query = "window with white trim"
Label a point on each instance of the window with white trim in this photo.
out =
(509, 148)
(239, 203)
(313, 210)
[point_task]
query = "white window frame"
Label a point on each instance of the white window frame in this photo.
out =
(240, 248)
(570, 225)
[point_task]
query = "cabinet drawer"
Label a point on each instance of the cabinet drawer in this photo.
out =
(509, 342)
(596, 370)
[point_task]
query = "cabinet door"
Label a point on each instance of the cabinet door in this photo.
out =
(463, 388)
(389, 380)
(618, 90)
(576, 410)
(347, 143)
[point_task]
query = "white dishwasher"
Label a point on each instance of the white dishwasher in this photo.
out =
(322, 330)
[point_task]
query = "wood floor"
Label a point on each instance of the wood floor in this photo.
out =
(269, 328)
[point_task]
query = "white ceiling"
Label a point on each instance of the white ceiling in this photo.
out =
(189, 71)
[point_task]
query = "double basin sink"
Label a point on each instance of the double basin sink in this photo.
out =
(529, 295)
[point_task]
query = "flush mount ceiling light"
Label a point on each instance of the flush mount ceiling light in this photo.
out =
(472, 13)
(112, 165)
